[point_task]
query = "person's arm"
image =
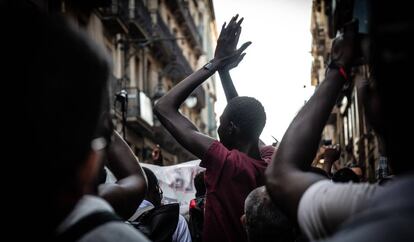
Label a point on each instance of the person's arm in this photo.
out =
(227, 83)
(224, 72)
(129, 191)
(225, 77)
(287, 177)
(166, 109)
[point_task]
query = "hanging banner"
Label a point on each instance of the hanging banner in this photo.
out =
(177, 182)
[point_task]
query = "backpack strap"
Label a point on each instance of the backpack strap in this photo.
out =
(87, 224)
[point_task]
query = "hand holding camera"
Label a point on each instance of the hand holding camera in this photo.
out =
(345, 47)
(332, 153)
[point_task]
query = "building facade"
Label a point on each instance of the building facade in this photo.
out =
(347, 124)
(153, 45)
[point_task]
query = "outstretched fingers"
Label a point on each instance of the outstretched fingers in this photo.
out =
(244, 46)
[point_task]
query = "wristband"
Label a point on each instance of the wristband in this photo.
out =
(341, 69)
(208, 66)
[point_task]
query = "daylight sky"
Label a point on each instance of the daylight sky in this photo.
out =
(277, 67)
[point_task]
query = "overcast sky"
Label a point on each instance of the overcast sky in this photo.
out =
(277, 67)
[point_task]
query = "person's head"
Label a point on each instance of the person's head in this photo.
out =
(345, 175)
(242, 121)
(199, 184)
(263, 221)
(156, 155)
(154, 192)
(64, 75)
(385, 97)
(358, 171)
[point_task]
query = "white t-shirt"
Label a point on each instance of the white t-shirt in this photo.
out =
(111, 231)
(326, 205)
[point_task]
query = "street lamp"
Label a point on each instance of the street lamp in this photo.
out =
(191, 101)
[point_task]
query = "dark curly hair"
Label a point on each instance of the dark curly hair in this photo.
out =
(248, 114)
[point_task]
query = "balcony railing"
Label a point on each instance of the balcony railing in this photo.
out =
(169, 49)
(141, 18)
(180, 8)
(115, 15)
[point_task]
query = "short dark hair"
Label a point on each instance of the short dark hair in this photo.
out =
(152, 180)
(71, 78)
(248, 114)
(345, 175)
(264, 220)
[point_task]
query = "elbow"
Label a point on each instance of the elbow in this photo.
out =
(277, 180)
(142, 189)
(164, 110)
(156, 110)
(273, 183)
(134, 189)
(160, 109)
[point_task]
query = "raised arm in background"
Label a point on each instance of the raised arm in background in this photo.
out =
(287, 177)
(224, 72)
(128, 192)
(167, 108)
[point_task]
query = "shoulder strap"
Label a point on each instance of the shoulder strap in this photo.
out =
(86, 224)
(160, 223)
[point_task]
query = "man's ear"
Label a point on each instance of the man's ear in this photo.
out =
(243, 220)
(235, 130)
(230, 128)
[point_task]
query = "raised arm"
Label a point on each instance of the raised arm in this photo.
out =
(287, 177)
(129, 191)
(224, 72)
(166, 109)
(227, 83)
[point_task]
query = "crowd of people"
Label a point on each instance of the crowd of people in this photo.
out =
(249, 191)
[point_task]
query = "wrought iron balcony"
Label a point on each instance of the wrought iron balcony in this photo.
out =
(140, 19)
(183, 15)
(169, 52)
(115, 16)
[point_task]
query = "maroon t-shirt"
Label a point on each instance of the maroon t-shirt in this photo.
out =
(230, 176)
